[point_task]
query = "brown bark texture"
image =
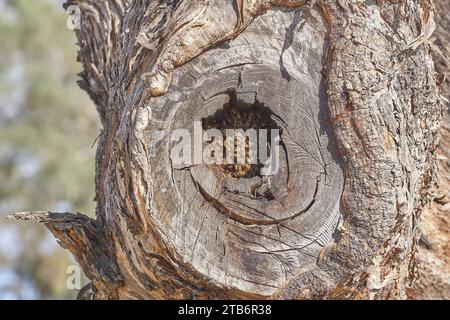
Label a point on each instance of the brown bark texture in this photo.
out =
(433, 257)
(350, 84)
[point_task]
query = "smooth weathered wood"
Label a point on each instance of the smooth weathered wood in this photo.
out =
(351, 84)
(241, 240)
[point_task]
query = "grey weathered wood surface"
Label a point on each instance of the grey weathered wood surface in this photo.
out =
(351, 83)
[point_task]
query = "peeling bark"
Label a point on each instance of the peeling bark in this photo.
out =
(433, 264)
(351, 85)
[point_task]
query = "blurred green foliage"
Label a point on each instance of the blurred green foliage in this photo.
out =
(47, 128)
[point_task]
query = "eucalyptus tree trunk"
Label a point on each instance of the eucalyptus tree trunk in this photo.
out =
(350, 85)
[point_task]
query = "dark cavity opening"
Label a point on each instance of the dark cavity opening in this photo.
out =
(240, 114)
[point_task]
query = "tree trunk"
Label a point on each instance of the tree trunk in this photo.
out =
(433, 264)
(349, 84)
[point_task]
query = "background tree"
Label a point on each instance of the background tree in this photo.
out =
(352, 86)
(47, 127)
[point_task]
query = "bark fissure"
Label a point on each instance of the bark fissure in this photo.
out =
(352, 86)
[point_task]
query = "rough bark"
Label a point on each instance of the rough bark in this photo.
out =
(352, 86)
(433, 264)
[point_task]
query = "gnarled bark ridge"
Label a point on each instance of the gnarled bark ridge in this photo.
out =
(350, 85)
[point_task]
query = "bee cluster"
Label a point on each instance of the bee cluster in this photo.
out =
(241, 117)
